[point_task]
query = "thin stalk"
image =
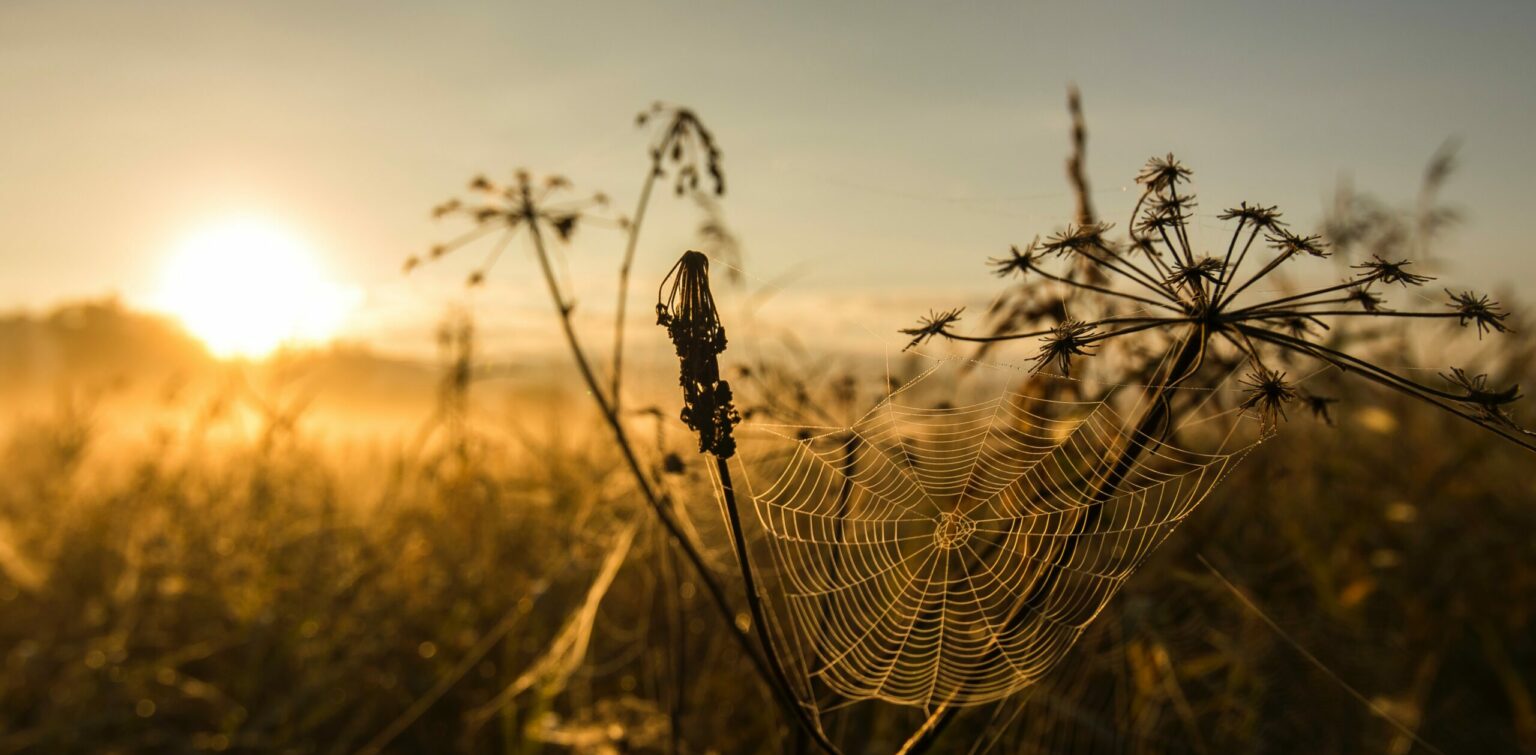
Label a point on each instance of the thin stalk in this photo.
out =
(1283, 256)
(1272, 314)
(1449, 402)
(1307, 295)
(1189, 255)
(1105, 291)
(1232, 244)
(1231, 272)
(660, 503)
(624, 268)
(1146, 281)
(760, 616)
(1130, 228)
(1143, 323)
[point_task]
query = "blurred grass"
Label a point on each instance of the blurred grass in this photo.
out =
(287, 595)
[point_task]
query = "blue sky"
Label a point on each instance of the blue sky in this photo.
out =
(876, 152)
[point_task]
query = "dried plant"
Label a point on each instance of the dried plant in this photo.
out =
(1172, 287)
(542, 209)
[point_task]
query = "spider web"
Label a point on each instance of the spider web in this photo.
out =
(942, 554)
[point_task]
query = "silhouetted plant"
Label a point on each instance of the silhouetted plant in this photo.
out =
(1199, 299)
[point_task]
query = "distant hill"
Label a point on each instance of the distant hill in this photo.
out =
(138, 365)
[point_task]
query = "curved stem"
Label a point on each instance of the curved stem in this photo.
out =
(1382, 376)
(624, 268)
(659, 502)
(759, 615)
(1105, 291)
(1231, 272)
(1307, 295)
(1142, 323)
(1147, 281)
(1283, 256)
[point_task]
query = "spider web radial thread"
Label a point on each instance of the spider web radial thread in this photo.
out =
(953, 555)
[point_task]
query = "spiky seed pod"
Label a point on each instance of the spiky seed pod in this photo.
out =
(1366, 298)
(1289, 243)
(1479, 310)
(1256, 214)
(1491, 404)
(1016, 262)
(1069, 339)
(1379, 269)
(1206, 269)
(1162, 173)
(1076, 238)
(688, 313)
(1268, 392)
(1318, 405)
(930, 326)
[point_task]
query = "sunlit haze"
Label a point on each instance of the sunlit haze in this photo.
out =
(245, 286)
(878, 152)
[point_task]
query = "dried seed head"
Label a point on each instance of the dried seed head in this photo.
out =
(1367, 299)
(1489, 404)
(1076, 238)
(684, 141)
(1257, 215)
(1268, 393)
(1318, 405)
(1162, 173)
(688, 313)
(1016, 261)
(1379, 269)
(1172, 205)
(1289, 243)
(1069, 339)
(1207, 269)
(930, 326)
(1151, 223)
(1479, 310)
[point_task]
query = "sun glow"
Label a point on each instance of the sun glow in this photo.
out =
(246, 286)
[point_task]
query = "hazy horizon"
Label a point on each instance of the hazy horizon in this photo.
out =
(870, 157)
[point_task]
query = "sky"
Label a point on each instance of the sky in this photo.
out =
(877, 153)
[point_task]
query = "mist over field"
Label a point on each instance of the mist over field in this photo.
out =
(663, 378)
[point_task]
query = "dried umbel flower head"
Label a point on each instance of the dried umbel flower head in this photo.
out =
(1491, 404)
(683, 142)
(1210, 304)
(1479, 310)
(1378, 269)
(500, 211)
(1268, 393)
(934, 324)
(1067, 340)
(687, 311)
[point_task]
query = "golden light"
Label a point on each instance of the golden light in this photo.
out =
(246, 286)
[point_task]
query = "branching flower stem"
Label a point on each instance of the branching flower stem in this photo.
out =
(1135, 324)
(1106, 291)
(1449, 402)
(659, 502)
(1231, 273)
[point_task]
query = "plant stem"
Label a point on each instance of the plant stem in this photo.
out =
(659, 502)
(624, 268)
(759, 615)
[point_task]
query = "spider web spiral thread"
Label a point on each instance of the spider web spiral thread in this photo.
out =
(927, 555)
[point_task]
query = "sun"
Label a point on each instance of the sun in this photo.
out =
(245, 286)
